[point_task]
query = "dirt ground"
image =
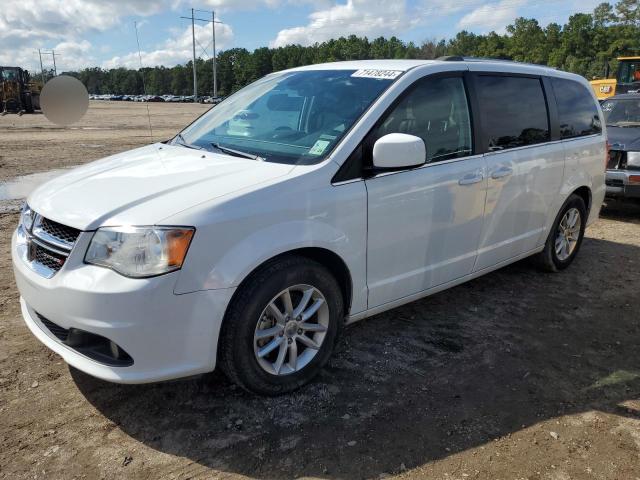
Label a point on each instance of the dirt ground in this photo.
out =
(515, 375)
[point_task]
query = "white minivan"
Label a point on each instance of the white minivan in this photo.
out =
(308, 200)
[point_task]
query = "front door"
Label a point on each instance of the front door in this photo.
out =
(424, 224)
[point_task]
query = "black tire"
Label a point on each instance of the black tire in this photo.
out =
(28, 104)
(236, 344)
(548, 259)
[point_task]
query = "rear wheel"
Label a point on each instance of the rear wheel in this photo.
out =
(565, 237)
(281, 327)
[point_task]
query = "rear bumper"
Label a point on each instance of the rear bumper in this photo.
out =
(619, 185)
(166, 335)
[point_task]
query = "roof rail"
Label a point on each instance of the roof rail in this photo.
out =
(459, 58)
(451, 58)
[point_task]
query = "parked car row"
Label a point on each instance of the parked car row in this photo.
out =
(155, 98)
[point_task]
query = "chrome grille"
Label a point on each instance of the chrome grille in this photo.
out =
(43, 256)
(61, 232)
(54, 233)
(47, 246)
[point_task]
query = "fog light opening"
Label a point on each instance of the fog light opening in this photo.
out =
(115, 350)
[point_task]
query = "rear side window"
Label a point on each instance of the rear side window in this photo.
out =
(577, 109)
(514, 111)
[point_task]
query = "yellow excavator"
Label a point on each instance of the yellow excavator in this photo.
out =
(627, 79)
(18, 92)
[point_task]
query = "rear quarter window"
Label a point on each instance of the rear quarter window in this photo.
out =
(577, 111)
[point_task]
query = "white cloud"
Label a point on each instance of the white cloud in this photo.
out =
(177, 49)
(26, 25)
(441, 8)
(491, 16)
(73, 55)
(370, 18)
(228, 5)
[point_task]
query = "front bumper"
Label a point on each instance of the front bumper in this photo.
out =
(167, 335)
(619, 184)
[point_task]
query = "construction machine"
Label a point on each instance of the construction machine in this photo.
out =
(18, 92)
(627, 79)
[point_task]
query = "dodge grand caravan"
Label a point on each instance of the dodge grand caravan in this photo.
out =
(312, 198)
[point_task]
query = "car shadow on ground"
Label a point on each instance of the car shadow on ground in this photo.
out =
(625, 211)
(418, 383)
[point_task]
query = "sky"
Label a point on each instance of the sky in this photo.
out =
(101, 33)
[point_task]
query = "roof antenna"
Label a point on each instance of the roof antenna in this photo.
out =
(144, 87)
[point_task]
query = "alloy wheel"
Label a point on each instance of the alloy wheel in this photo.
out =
(568, 234)
(291, 330)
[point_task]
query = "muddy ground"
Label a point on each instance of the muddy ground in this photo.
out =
(515, 375)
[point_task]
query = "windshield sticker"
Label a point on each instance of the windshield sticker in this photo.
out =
(319, 147)
(326, 136)
(374, 73)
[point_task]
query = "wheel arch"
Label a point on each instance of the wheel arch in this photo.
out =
(327, 258)
(582, 189)
(584, 192)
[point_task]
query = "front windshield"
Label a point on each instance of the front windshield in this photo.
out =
(289, 117)
(622, 112)
(9, 75)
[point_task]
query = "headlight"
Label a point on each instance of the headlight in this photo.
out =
(139, 251)
(633, 159)
(26, 217)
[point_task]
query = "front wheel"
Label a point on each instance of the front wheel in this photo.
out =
(565, 237)
(281, 326)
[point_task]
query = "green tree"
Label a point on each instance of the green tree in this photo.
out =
(527, 41)
(628, 12)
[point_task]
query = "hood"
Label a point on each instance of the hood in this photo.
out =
(624, 138)
(145, 185)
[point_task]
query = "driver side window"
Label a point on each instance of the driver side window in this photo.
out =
(436, 110)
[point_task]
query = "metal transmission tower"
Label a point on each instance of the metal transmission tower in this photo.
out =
(213, 57)
(53, 55)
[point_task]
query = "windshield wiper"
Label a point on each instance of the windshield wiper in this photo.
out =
(237, 153)
(184, 143)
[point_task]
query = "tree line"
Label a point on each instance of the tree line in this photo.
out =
(583, 45)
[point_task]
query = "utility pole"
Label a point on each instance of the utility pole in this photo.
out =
(213, 57)
(195, 79)
(213, 31)
(55, 70)
(41, 67)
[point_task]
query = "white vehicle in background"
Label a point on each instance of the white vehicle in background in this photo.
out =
(312, 198)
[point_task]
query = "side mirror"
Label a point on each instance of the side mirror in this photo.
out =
(399, 150)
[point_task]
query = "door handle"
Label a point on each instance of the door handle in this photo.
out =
(471, 179)
(501, 172)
